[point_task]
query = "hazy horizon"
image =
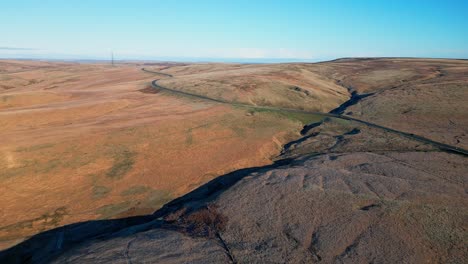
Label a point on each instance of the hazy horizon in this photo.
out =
(204, 60)
(233, 131)
(241, 31)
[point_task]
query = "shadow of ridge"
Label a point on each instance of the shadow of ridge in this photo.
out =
(45, 246)
(355, 98)
(211, 190)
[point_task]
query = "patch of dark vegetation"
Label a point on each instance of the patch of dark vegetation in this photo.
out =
(56, 84)
(52, 164)
(291, 144)
(189, 137)
(246, 87)
(409, 109)
(123, 163)
(304, 118)
(313, 247)
(288, 234)
(34, 81)
(355, 131)
(135, 190)
(35, 147)
(110, 210)
(355, 98)
(43, 222)
(207, 222)
(308, 127)
(204, 222)
(339, 140)
(6, 87)
(149, 90)
(368, 207)
(31, 165)
(300, 90)
(6, 98)
(100, 192)
(157, 198)
(173, 217)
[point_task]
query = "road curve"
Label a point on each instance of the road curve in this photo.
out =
(439, 145)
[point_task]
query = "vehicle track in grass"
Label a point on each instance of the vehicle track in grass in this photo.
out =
(439, 145)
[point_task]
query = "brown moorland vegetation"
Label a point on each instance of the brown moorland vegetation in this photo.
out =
(87, 141)
(342, 191)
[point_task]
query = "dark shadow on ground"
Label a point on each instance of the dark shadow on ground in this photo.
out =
(355, 98)
(45, 246)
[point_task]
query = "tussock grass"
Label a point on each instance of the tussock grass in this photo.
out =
(123, 163)
(303, 118)
(110, 210)
(100, 192)
(135, 190)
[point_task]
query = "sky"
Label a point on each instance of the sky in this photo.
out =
(230, 30)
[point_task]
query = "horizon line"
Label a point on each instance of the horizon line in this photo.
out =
(224, 60)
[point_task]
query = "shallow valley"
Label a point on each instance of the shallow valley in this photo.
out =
(240, 180)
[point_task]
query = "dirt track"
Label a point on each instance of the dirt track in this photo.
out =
(349, 191)
(441, 146)
(83, 142)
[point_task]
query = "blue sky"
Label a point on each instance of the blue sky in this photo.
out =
(226, 30)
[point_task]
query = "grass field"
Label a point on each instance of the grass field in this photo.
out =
(81, 142)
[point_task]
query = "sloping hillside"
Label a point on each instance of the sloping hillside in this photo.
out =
(282, 85)
(343, 192)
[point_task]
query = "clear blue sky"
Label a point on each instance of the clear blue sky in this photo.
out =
(221, 29)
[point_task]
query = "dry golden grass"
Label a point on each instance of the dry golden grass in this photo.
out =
(89, 141)
(280, 85)
(82, 142)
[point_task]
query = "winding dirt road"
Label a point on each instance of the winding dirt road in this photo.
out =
(439, 145)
